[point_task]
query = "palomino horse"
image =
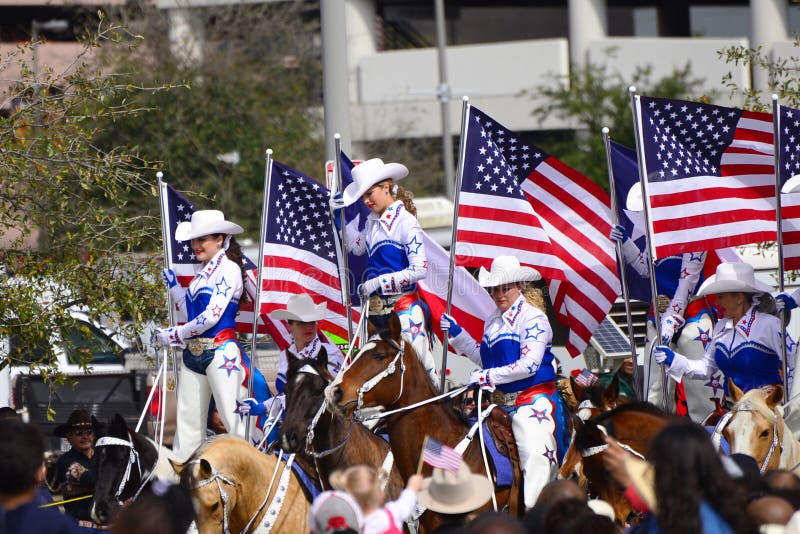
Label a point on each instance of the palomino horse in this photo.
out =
(335, 443)
(123, 460)
(386, 372)
(633, 425)
(755, 427)
(237, 489)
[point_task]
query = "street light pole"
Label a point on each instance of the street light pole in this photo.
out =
(443, 93)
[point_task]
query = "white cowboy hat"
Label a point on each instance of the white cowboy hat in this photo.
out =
(735, 277)
(369, 173)
(300, 308)
(505, 270)
(447, 492)
(206, 222)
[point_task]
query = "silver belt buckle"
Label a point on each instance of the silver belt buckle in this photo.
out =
(199, 345)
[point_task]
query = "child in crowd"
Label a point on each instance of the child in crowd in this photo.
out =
(364, 484)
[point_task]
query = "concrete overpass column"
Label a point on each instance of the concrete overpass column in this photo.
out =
(587, 23)
(768, 23)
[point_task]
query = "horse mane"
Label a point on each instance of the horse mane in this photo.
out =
(187, 476)
(635, 406)
(755, 400)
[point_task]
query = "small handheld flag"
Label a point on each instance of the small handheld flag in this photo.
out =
(439, 455)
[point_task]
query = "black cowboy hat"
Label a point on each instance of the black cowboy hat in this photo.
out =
(78, 420)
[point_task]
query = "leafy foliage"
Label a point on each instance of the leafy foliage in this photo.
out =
(65, 205)
(592, 97)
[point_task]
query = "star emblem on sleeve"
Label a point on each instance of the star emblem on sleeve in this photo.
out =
(223, 287)
(534, 332)
(550, 454)
(412, 247)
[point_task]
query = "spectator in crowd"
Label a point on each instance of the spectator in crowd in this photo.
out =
(455, 494)
(162, 508)
(770, 510)
(364, 485)
(21, 474)
(75, 473)
(683, 483)
(335, 512)
(492, 522)
(574, 516)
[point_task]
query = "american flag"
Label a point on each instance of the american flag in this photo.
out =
(177, 208)
(299, 251)
(439, 455)
(470, 304)
(710, 169)
(586, 378)
(516, 199)
(789, 143)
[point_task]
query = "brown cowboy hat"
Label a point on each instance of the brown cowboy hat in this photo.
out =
(78, 420)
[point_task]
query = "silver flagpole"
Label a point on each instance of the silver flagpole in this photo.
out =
(776, 129)
(344, 272)
(462, 148)
(637, 127)
(637, 380)
(165, 239)
(259, 279)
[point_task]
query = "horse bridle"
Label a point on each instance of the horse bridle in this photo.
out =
(370, 384)
(591, 451)
(221, 479)
(717, 435)
(309, 369)
(133, 458)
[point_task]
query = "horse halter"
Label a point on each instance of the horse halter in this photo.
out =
(591, 451)
(133, 458)
(309, 369)
(772, 446)
(370, 384)
(220, 479)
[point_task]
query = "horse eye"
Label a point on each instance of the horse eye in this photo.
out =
(764, 434)
(379, 356)
(214, 507)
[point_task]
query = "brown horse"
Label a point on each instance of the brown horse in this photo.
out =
(633, 425)
(336, 443)
(386, 372)
(231, 488)
(755, 427)
(597, 398)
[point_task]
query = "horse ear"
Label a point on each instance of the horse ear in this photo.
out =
(775, 397)
(118, 425)
(577, 389)
(177, 466)
(395, 330)
(291, 359)
(205, 468)
(322, 357)
(734, 392)
(611, 393)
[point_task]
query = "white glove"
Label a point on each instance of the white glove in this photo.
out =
(482, 378)
(169, 337)
(336, 202)
(669, 325)
(368, 288)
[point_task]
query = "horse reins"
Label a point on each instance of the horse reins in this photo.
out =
(591, 451)
(390, 369)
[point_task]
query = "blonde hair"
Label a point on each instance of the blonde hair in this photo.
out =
(362, 483)
(401, 193)
(534, 296)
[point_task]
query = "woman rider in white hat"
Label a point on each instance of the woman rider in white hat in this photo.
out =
(745, 344)
(213, 362)
(303, 317)
(392, 240)
(516, 358)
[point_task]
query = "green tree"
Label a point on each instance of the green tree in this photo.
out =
(594, 96)
(253, 83)
(68, 197)
(783, 79)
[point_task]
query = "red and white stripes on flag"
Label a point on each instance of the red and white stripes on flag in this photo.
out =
(299, 251)
(710, 175)
(470, 304)
(516, 199)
